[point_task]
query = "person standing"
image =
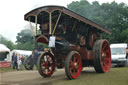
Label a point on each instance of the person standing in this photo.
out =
(15, 62)
(19, 61)
(22, 59)
(127, 55)
(13, 65)
(36, 55)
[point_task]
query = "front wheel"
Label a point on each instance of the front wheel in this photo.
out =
(46, 64)
(73, 65)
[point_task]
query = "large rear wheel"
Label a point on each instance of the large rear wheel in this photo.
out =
(73, 65)
(102, 56)
(46, 64)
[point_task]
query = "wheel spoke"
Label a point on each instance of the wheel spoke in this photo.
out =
(75, 58)
(71, 65)
(104, 47)
(45, 58)
(49, 69)
(107, 60)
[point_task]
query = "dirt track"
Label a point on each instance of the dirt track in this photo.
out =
(31, 78)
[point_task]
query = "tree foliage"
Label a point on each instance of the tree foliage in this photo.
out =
(124, 36)
(112, 16)
(24, 36)
(25, 40)
(25, 46)
(7, 42)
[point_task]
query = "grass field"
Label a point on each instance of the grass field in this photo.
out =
(8, 69)
(116, 76)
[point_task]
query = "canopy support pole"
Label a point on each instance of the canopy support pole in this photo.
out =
(56, 23)
(50, 23)
(36, 24)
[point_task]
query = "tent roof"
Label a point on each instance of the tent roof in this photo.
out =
(22, 52)
(3, 48)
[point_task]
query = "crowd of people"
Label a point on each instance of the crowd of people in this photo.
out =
(17, 61)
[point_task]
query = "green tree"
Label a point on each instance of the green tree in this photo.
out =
(7, 42)
(109, 15)
(25, 46)
(124, 36)
(116, 19)
(25, 40)
(24, 36)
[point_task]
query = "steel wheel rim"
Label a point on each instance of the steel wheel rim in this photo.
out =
(75, 65)
(105, 56)
(47, 65)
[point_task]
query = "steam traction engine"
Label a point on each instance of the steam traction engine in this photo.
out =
(74, 41)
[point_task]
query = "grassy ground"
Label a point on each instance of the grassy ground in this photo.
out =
(9, 69)
(6, 69)
(116, 76)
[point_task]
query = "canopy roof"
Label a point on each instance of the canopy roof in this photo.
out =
(3, 48)
(43, 11)
(22, 52)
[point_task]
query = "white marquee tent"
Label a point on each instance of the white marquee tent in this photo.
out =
(20, 52)
(3, 48)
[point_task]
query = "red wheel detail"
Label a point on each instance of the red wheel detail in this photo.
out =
(106, 56)
(102, 56)
(73, 65)
(46, 65)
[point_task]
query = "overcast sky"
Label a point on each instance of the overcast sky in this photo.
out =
(12, 13)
